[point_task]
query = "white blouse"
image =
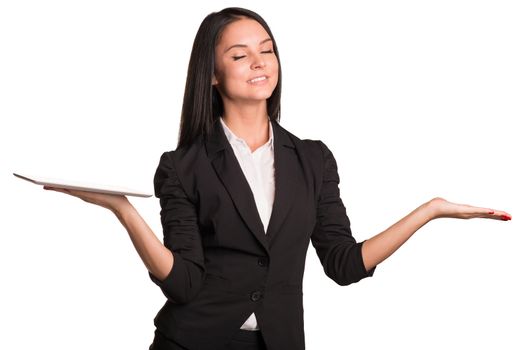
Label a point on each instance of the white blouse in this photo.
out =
(259, 170)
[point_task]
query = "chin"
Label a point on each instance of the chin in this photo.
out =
(259, 98)
(262, 94)
(254, 97)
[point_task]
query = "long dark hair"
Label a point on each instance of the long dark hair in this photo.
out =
(203, 104)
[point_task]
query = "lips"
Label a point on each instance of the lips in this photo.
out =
(257, 79)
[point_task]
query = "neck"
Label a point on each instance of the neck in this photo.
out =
(251, 123)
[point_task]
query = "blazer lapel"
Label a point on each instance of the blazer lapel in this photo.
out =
(287, 171)
(230, 173)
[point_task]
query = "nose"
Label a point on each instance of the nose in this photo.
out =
(258, 62)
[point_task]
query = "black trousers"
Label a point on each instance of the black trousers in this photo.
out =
(242, 340)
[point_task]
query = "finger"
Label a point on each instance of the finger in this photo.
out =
(480, 211)
(57, 189)
(499, 214)
(490, 211)
(505, 217)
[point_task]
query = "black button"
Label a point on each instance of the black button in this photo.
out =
(262, 261)
(256, 295)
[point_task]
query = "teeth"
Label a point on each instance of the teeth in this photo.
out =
(256, 79)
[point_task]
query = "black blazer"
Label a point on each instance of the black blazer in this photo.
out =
(225, 266)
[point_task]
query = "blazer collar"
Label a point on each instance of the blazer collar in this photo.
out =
(218, 141)
(232, 138)
(227, 168)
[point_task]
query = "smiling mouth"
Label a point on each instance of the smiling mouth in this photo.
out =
(257, 79)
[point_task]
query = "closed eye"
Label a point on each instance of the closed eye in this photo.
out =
(236, 58)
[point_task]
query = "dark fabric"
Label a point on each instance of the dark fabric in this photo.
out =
(247, 340)
(242, 340)
(161, 342)
(225, 266)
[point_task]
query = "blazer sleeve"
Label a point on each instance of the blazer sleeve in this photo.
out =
(181, 235)
(337, 249)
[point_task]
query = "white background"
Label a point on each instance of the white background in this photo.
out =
(416, 99)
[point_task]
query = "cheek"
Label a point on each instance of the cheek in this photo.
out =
(274, 65)
(235, 75)
(274, 70)
(226, 72)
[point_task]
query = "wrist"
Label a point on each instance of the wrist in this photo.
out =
(431, 210)
(120, 208)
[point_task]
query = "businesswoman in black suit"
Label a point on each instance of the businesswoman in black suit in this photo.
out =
(241, 198)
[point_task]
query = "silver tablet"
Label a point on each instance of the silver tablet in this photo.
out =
(83, 186)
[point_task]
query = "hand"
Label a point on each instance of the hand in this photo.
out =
(441, 208)
(109, 201)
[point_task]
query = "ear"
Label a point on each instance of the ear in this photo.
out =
(214, 80)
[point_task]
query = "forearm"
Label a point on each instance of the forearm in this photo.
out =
(157, 258)
(380, 247)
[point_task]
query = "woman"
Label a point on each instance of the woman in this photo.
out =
(241, 197)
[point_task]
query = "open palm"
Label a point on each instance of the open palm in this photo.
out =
(445, 209)
(109, 201)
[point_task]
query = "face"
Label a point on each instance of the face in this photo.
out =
(245, 52)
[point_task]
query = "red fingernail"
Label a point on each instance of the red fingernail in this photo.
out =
(505, 217)
(492, 212)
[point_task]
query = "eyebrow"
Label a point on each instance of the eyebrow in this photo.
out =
(243, 45)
